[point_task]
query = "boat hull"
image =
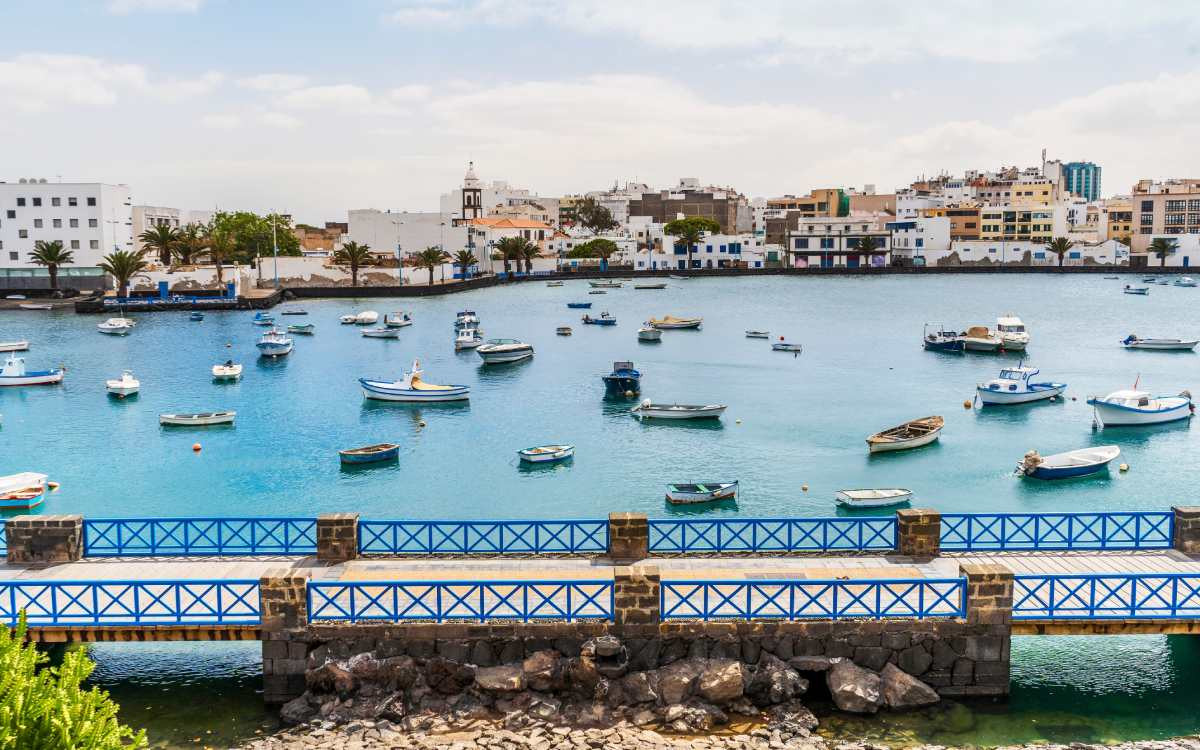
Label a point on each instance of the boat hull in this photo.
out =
(1066, 472)
(684, 497)
(579, 305)
(649, 334)
(903, 445)
(22, 500)
(546, 458)
(1163, 346)
(114, 330)
(619, 385)
(220, 373)
(1003, 398)
(122, 391)
(787, 348)
(14, 346)
(196, 420)
(652, 412)
(500, 358)
(846, 500)
(380, 391)
(981, 345)
(387, 454)
(1111, 415)
(51, 377)
(1080, 463)
(942, 345)
(274, 350)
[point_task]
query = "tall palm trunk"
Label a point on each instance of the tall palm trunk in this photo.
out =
(52, 269)
(431, 276)
(353, 274)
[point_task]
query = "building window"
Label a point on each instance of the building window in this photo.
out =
(37, 223)
(91, 201)
(13, 256)
(56, 201)
(94, 244)
(72, 201)
(1175, 205)
(11, 214)
(1147, 205)
(56, 223)
(20, 202)
(801, 243)
(23, 234)
(826, 243)
(37, 201)
(708, 248)
(74, 223)
(920, 242)
(1147, 220)
(93, 223)
(74, 244)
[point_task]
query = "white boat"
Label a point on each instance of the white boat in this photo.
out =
(15, 296)
(1185, 281)
(980, 339)
(1013, 335)
(605, 284)
(468, 338)
(23, 491)
(786, 346)
(367, 318)
(398, 319)
(274, 344)
(498, 351)
(544, 454)
(349, 319)
(649, 410)
(650, 286)
(466, 319)
(649, 333)
(563, 331)
(126, 385)
(14, 373)
(676, 278)
(1167, 345)
(554, 283)
(1075, 463)
(381, 333)
(115, 326)
(912, 434)
(869, 498)
(201, 419)
(1142, 290)
(228, 371)
(13, 346)
(668, 322)
(412, 388)
(1013, 386)
(758, 334)
(701, 492)
(35, 306)
(1134, 407)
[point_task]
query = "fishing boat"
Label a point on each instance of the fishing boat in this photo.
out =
(263, 319)
(349, 319)
(623, 380)
(1185, 281)
(1077, 463)
(980, 339)
(22, 491)
(370, 454)
(1134, 407)
(397, 319)
(597, 291)
(701, 492)
(579, 305)
(1013, 335)
(196, 316)
(649, 333)
(126, 385)
(1014, 386)
(228, 371)
(274, 344)
(940, 339)
(36, 306)
(786, 346)
(604, 284)
(1142, 290)
(563, 330)
(604, 320)
(1167, 345)
(412, 388)
(199, 419)
(14, 373)
(912, 434)
(306, 329)
(294, 312)
(649, 410)
(668, 322)
(115, 326)
(468, 338)
(676, 278)
(1110, 278)
(554, 283)
(544, 454)
(500, 351)
(381, 333)
(14, 346)
(366, 318)
(758, 334)
(650, 286)
(872, 498)
(466, 319)
(1149, 279)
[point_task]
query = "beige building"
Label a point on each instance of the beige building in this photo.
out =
(1118, 214)
(1163, 209)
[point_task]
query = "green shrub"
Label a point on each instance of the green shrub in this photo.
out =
(45, 708)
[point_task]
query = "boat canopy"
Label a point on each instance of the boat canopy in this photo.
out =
(1018, 373)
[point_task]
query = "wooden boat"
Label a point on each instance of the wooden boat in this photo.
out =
(1013, 386)
(35, 306)
(126, 385)
(667, 322)
(14, 346)
(605, 284)
(370, 454)
(579, 305)
(294, 312)
(604, 320)
(115, 326)
(911, 434)
(274, 344)
(22, 491)
(398, 319)
(941, 340)
(1142, 290)
(649, 286)
(14, 373)
(554, 283)
(649, 333)
(758, 334)
(872, 498)
(411, 388)
(543, 454)
(701, 492)
(980, 339)
(1077, 463)
(786, 346)
(650, 410)
(500, 351)
(623, 379)
(200, 419)
(1165, 345)
(1134, 407)
(196, 316)
(306, 329)
(381, 333)
(227, 371)
(563, 330)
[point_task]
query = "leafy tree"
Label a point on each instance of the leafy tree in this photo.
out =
(220, 244)
(464, 259)
(867, 244)
(354, 255)
(250, 234)
(51, 255)
(512, 249)
(160, 239)
(691, 230)
(591, 215)
(596, 248)
(431, 258)
(190, 245)
(1161, 247)
(46, 708)
(1060, 246)
(123, 265)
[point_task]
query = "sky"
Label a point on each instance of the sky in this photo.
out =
(315, 107)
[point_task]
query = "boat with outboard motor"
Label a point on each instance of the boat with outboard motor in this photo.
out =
(274, 344)
(544, 454)
(398, 319)
(1134, 407)
(124, 386)
(412, 388)
(941, 339)
(670, 322)
(501, 351)
(116, 326)
(623, 380)
(1014, 386)
(14, 373)
(230, 370)
(1132, 341)
(1076, 463)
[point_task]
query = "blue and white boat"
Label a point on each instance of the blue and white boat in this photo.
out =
(196, 316)
(1014, 386)
(466, 319)
(370, 454)
(14, 373)
(1143, 290)
(274, 344)
(544, 454)
(263, 319)
(1077, 463)
(1134, 407)
(22, 491)
(604, 320)
(412, 388)
(623, 379)
(941, 340)
(579, 305)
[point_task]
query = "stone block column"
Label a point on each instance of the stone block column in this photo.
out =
(337, 537)
(628, 537)
(918, 532)
(44, 539)
(283, 601)
(1186, 529)
(636, 592)
(989, 594)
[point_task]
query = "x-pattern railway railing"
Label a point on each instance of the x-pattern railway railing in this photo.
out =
(772, 534)
(1056, 531)
(1106, 596)
(131, 603)
(802, 599)
(482, 537)
(131, 537)
(464, 601)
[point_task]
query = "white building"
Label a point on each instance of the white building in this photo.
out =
(474, 198)
(835, 242)
(909, 202)
(915, 237)
(400, 233)
(145, 217)
(90, 218)
(1027, 253)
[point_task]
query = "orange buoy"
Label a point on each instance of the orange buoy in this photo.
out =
(195, 447)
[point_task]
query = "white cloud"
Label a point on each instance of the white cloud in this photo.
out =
(273, 82)
(342, 95)
(221, 121)
(169, 6)
(280, 120)
(410, 93)
(38, 82)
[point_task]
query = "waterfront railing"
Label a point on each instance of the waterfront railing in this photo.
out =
(131, 603)
(1056, 531)
(801, 599)
(772, 534)
(459, 601)
(142, 537)
(482, 537)
(1133, 596)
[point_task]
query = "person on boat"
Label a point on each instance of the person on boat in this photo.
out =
(229, 363)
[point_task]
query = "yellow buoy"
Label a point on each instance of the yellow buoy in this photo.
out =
(1124, 467)
(195, 447)
(804, 488)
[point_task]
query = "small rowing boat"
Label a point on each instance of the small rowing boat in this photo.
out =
(1142, 290)
(554, 283)
(563, 330)
(544, 454)
(579, 305)
(196, 316)
(701, 492)
(872, 498)
(35, 306)
(649, 410)
(649, 286)
(1164, 345)
(23, 491)
(381, 333)
(306, 329)
(294, 312)
(668, 322)
(758, 334)
(786, 346)
(605, 284)
(1077, 463)
(13, 346)
(370, 454)
(263, 319)
(912, 434)
(199, 419)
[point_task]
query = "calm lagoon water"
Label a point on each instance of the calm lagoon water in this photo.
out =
(791, 421)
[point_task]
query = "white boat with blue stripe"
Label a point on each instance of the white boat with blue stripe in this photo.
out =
(412, 389)
(1015, 386)
(1077, 463)
(274, 344)
(1134, 407)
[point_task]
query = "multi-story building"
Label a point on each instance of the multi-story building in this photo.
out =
(719, 250)
(146, 217)
(1034, 223)
(964, 220)
(837, 242)
(821, 202)
(1081, 178)
(91, 219)
(319, 241)
(727, 207)
(868, 201)
(1169, 209)
(475, 199)
(913, 238)
(911, 201)
(1118, 214)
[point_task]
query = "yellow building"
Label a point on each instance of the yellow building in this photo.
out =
(964, 220)
(1035, 224)
(1119, 213)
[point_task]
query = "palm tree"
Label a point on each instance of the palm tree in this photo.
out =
(529, 251)
(220, 246)
(1060, 246)
(123, 265)
(162, 240)
(690, 231)
(604, 251)
(51, 255)
(464, 259)
(866, 245)
(354, 255)
(190, 244)
(510, 249)
(431, 258)
(1161, 247)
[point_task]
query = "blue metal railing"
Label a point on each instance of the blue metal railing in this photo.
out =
(801, 599)
(131, 537)
(482, 537)
(470, 601)
(1123, 596)
(131, 603)
(1045, 531)
(772, 534)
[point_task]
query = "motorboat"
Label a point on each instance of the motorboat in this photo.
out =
(544, 454)
(604, 284)
(1185, 281)
(758, 334)
(1134, 407)
(348, 319)
(228, 371)
(466, 319)
(14, 373)
(366, 318)
(786, 346)
(579, 305)
(649, 286)
(1111, 278)
(500, 351)
(1168, 345)
(196, 316)
(671, 322)
(263, 319)
(1149, 279)
(381, 333)
(1015, 386)
(980, 339)
(200, 419)
(115, 326)
(412, 388)
(650, 410)
(940, 339)
(126, 385)
(468, 338)
(649, 333)
(36, 306)
(370, 454)
(911, 434)
(597, 291)
(872, 498)
(306, 329)
(14, 346)
(604, 320)
(1077, 463)
(701, 492)
(623, 380)
(15, 296)
(397, 319)
(676, 278)
(563, 330)
(274, 344)
(294, 312)
(1013, 335)
(1142, 290)
(554, 283)
(22, 491)
(1163, 282)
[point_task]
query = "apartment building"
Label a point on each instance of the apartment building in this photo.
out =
(837, 242)
(964, 220)
(147, 217)
(728, 208)
(1168, 209)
